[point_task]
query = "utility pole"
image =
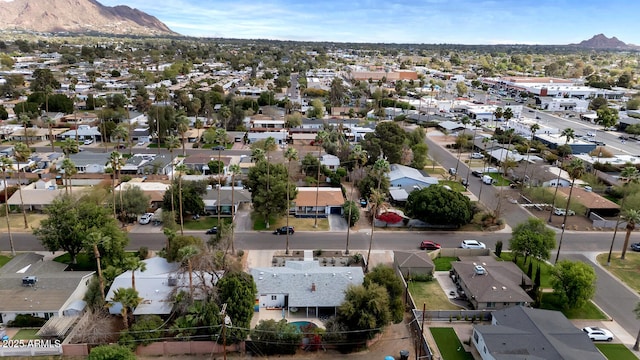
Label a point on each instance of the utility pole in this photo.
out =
(226, 321)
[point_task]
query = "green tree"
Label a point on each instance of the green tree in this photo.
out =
(607, 117)
(636, 311)
(387, 140)
(271, 337)
(574, 282)
(291, 155)
(438, 205)
(533, 238)
(133, 201)
(569, 135)
(177, 242)
(133, 263)
(69, 146)
(43, 78)
(22, 153)
(387, 278)
(316, 111)
(576, 170)
(146, 330)
(336, 92)
(628, 175)
(69, 222)
(111, 352)
(69, 169)
(6, 164)
(364, 312)
(129, 299)
(182, 125)
(185, 254)
(351, 212)
(633, 104)
(597, 103)
(461, 88)
(272, 202)
(120, 133)
(238, 290)
(192, 192)
(633, 217)
(172, 142)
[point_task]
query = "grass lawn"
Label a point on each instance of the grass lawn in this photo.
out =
(430, 293)
(17, 222)
(299, 224)
(626, 270)
(204, 223)
(26, 334)
(588, 311)
(454, 185)
(449, 345)
(82, 259)
(545, 278)
(434, 171)
(616, 352)
(443, 263)
(4, 260)
(500, 181)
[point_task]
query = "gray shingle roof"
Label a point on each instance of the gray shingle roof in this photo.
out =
(501, 282)
(297, 278)
(525, 333)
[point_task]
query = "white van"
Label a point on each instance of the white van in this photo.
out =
(488, 180)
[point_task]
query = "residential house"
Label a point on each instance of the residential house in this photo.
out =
(199, 163)
(279, 136)
(318, 201)
(154, 189)
(489, 284)
(331, 162)
(305, 286)
(35, 199)
(47, 160)
(84, 132)
(157, 285)
(403, 180)
(149, 164)
(228, 197)
(141, 135)
(521, 332)
(33, 134)
(89, 162)
(31, 285)
(411, 263)
(593, 202)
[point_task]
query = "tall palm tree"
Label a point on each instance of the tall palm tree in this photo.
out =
(636, 311)
(234, 170)
(485, 141)
(576, 170)
(129, 299)
(7, 166)
(476, 124)
(321, 137)
(172, 142)
(181, 169)
(629, 175)
(22, 153)
(49, 122)
(133, 263)
(221, 138)
(69, 169)
(93, 239)
(115, 159)
(375, 201)
(633, 217)
(568, 134)
(185, 254)
(291, 155)
(359, 157)
(465, 121)
(25, 121)
(198, 125)
(533, 129)
(182, 125)
(498, 113)
(121, 133)
(507, 114)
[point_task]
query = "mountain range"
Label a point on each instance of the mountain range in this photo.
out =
(601, 42)
(77, 16)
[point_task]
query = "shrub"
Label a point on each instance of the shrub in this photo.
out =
(240, 253)
(143, 253)
(111, 352)
(27, 320)
(421, 277)
(498, 248)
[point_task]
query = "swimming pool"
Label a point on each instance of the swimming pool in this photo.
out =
(301, 324)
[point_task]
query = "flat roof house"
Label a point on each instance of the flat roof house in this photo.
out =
(329, 201)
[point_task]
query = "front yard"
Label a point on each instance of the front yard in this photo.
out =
(299, 224)
(626, 270)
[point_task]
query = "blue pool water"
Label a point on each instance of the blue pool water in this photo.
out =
(300, 324)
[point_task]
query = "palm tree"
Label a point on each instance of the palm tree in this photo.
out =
(533, 128)
(291, 154)
(22, 153)
(129, 299)
(120, 133)
(25, 121)
(375, 201)
(225, 114)
(221, 137)
(633, 217)
(257, 154)
(198, 125)
(321, 137)
(636, 311)
(359, 157)
(69, 169)
(182, 125)
(181, 169)
(629, 175)
(569, 134)
(49, 122)
(465, 121)
(133, 263)
(476, 124)
(576, 170)
(485, 141)
(172, 142)
(69, 146)
(93, 239)
(234, 170)
(7, 165)
(507, 114)
(498, 113)
(185, 254)
(115, 159)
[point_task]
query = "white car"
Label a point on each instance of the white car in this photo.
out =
(477, 155)
(598, 334)
(88, 142)
(472, 244)
(145, 219)
(140, 143)
(562, 212)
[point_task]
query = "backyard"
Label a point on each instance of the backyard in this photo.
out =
(449, 345)
(431, 294)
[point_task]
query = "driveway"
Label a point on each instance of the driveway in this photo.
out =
(337, 223)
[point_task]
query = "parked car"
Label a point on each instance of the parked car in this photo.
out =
(477, 155)
(476, 173)
(464, 182)
(88, 142)
(429, 245)
(140, 143)
(218, 147)
(598, 334)
(472, 244)
(635, 246)
(363, 202)
(453, 171)
(212, 231)
(283, 230)
(561, 212)
(488, 180)
(145, 218)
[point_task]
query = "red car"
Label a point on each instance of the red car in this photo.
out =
(429, 245)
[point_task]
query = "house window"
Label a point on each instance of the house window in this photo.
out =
(491, 304)
(273, 297)
(475, 336)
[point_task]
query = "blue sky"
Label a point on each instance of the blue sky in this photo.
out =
(399, 21)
